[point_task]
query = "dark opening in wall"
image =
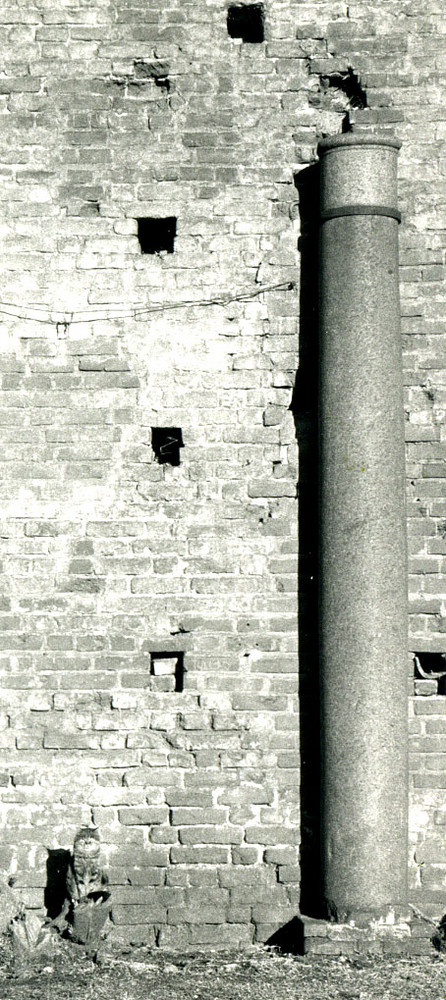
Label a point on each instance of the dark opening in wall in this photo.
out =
(430, 673)
(156, 235)
(151, 69)
(246, 21)
(163, 83)
(167, 671)
(350, 84)
(166, 443)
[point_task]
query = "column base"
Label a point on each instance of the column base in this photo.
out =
(400, 938)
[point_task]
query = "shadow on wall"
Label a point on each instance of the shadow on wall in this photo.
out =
(57, 865)
(304, 407)
(289, 939)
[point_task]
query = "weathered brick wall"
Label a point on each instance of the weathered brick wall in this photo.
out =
(110, 113)
(108, 555)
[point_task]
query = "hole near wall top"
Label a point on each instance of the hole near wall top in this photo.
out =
(246, 21)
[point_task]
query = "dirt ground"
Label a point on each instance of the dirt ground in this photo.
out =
(257, 974)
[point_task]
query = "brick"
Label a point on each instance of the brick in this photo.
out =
(268, 914)
(274, 895)
(139, 876)
(271, 835)
(141, 857)
(138, 914)
(174, 937)
(135, 934)
(431, 851)
(425, 688)
(289, 874)
(280, 856)
(211, 835)
(245, 856)
(247, 794)
(59, 740)
(142, 816)
(198, 817)
(124, 895)
(196, 915)
(163, 835)
(253, 703)
(314, 946)
(199, 855)
(436, 706)
(229, 936)
(429, 781)
(188, 797)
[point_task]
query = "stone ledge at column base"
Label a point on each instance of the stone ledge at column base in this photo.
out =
(403, 938)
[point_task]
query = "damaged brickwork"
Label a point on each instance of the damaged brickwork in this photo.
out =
(122, 572)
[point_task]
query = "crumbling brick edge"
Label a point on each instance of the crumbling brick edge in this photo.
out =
(404, 938)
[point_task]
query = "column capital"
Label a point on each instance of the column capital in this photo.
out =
(358, 175)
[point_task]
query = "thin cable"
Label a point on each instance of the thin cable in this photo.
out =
(38, 314)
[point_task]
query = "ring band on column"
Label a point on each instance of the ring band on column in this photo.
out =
(336, 213)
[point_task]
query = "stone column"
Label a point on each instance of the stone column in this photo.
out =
(363, 596)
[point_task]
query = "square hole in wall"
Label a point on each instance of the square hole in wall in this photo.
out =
(156, 235)
(246, 21)
(430, 673)
(167, 671)
(166, 444)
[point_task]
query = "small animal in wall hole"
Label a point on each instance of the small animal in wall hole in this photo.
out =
(246, 21)
(167, 671)
(156, 235)
(166, 444)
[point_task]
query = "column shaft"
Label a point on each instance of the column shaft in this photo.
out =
(363, 596)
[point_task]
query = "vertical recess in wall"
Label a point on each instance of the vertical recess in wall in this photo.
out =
(304, 407)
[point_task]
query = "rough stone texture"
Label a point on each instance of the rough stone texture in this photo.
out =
(108, 556)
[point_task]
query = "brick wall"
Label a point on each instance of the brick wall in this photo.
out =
(111, 113)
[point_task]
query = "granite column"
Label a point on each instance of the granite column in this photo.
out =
(363, 595)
